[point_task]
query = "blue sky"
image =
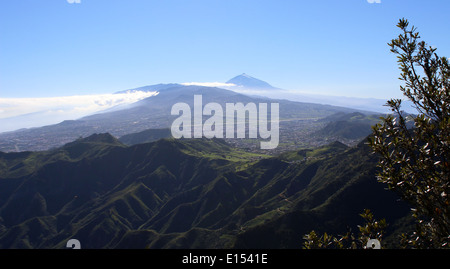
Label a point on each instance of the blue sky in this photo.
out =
(339, 47)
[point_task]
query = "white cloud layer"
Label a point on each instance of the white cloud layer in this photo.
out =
(16, 113)
(208, 84)
(374, 1)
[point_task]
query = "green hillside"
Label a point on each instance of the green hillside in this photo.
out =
(348, 126)
(145, 136)
(193, 193)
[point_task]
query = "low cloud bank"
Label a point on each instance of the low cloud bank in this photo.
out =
(17, 113)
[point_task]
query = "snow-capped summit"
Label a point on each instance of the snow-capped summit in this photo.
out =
(247, 81)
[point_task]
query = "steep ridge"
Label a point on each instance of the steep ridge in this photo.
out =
(183, 194)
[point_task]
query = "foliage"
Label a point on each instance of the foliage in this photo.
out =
(414, 159)
(372, 229)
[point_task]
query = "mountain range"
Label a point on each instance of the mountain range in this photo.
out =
(118, 179)
(155, 113)
(187, 193)
(243, 84)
